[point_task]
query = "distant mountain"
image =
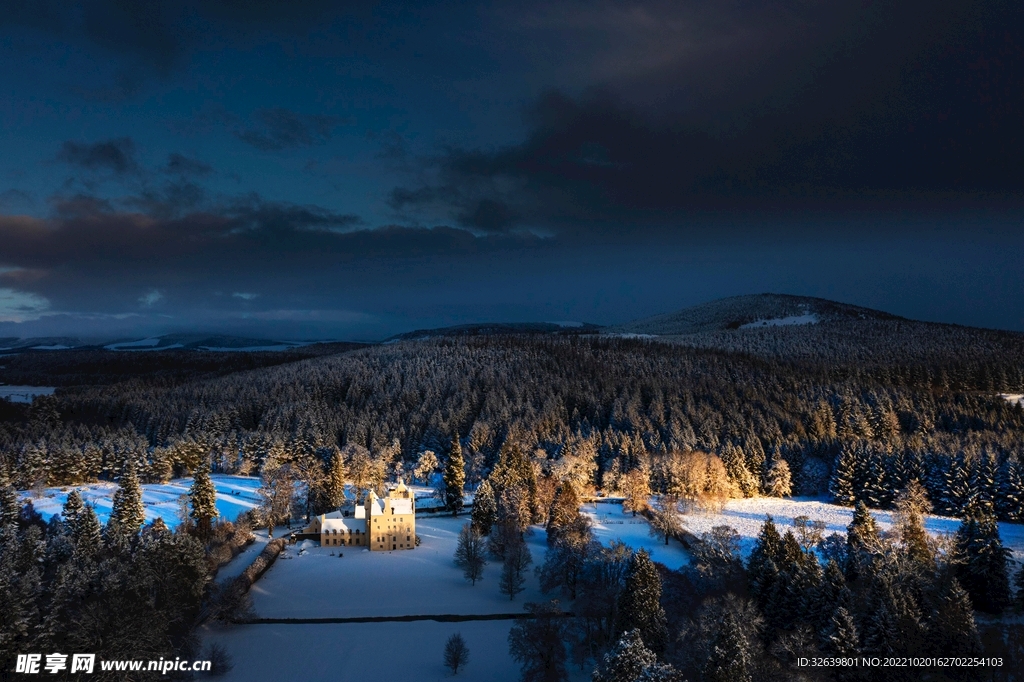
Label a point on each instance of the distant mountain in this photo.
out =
(747, 312)
(493, 328)
(790, 328)
(201, 342)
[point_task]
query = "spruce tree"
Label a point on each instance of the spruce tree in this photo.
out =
(470, 553)
(631, 661)
(862, 541)
(1018, 582)
(778, 481)
(639, 604)
(952, 623)
(842, 485)
(730, 655)
(127, 512)
(1011, 490)
(982, 560)
(911, 504)
(9, 507)
(565, 509)
(763, 564)
(485, 508)
(334, 484)
(841, 634)
(203, 496)
(454, 478)
(72, 512)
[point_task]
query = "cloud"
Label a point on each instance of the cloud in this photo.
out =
(116, 155)
(279, 129)
(150, 298)
(777, 105)
(178, 164)
(18, 306)
(245, 296)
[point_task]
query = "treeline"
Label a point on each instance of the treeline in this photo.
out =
(604, 407)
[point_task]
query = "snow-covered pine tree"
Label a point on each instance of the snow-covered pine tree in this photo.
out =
(982, 560)
(841, 638)
(203, 497)
(631, 661)
(334, 482)
(983, 479)
(636, 486)
(454, 477)
(470, 554)
(730, 655)
(9, 507)
(957, 486)
(127, 513)
(565, 509)
(640, 602)
(843, 478)
(485, 508)
(1010, 482)
(862, 542)
(739, 474)
(778, 481)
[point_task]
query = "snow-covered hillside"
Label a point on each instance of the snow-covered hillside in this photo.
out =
(611, 523)
(746, 517)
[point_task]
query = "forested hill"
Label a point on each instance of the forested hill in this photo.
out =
(603, 405)
(800, 328)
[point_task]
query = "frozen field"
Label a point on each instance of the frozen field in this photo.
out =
(235, 494)
(421, 581)
(746, 517)
(611, 523)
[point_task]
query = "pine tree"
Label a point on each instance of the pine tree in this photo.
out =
(762, 566)
(631, 661)
(952, 623)
(843, 478)
(1018, 582)
(454, 478)
(841, 635)
(1011, 490)
(956, 487)
(639, 604)
(736, 467)
(862, 541)
(778, 481)
(72, 512)
(730, 655)
(982, 560)
(565, 509)
(911, 504)
(127, 513)
(88, 532)
(485, 508)
(470, 553)
(9, 507)
(203, 496)
(334, 484)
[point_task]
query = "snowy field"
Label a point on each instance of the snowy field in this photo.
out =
(235, 494)
(24, 394)
(307, 582)
(611, 523)
(1013, 398)
(353, 652)
(746, 517)
(806, 318)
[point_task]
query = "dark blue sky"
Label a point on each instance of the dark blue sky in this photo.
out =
(316, 170)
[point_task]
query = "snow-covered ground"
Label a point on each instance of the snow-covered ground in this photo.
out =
(806, 318)
(352, 652)
(1013, 398)
(24, 394)
(611, 523)
(746, 517)
(307, 582)
(235, 494)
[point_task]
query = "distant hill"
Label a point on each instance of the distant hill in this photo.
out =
(493, 328)
(803, 328)
(201, 342)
